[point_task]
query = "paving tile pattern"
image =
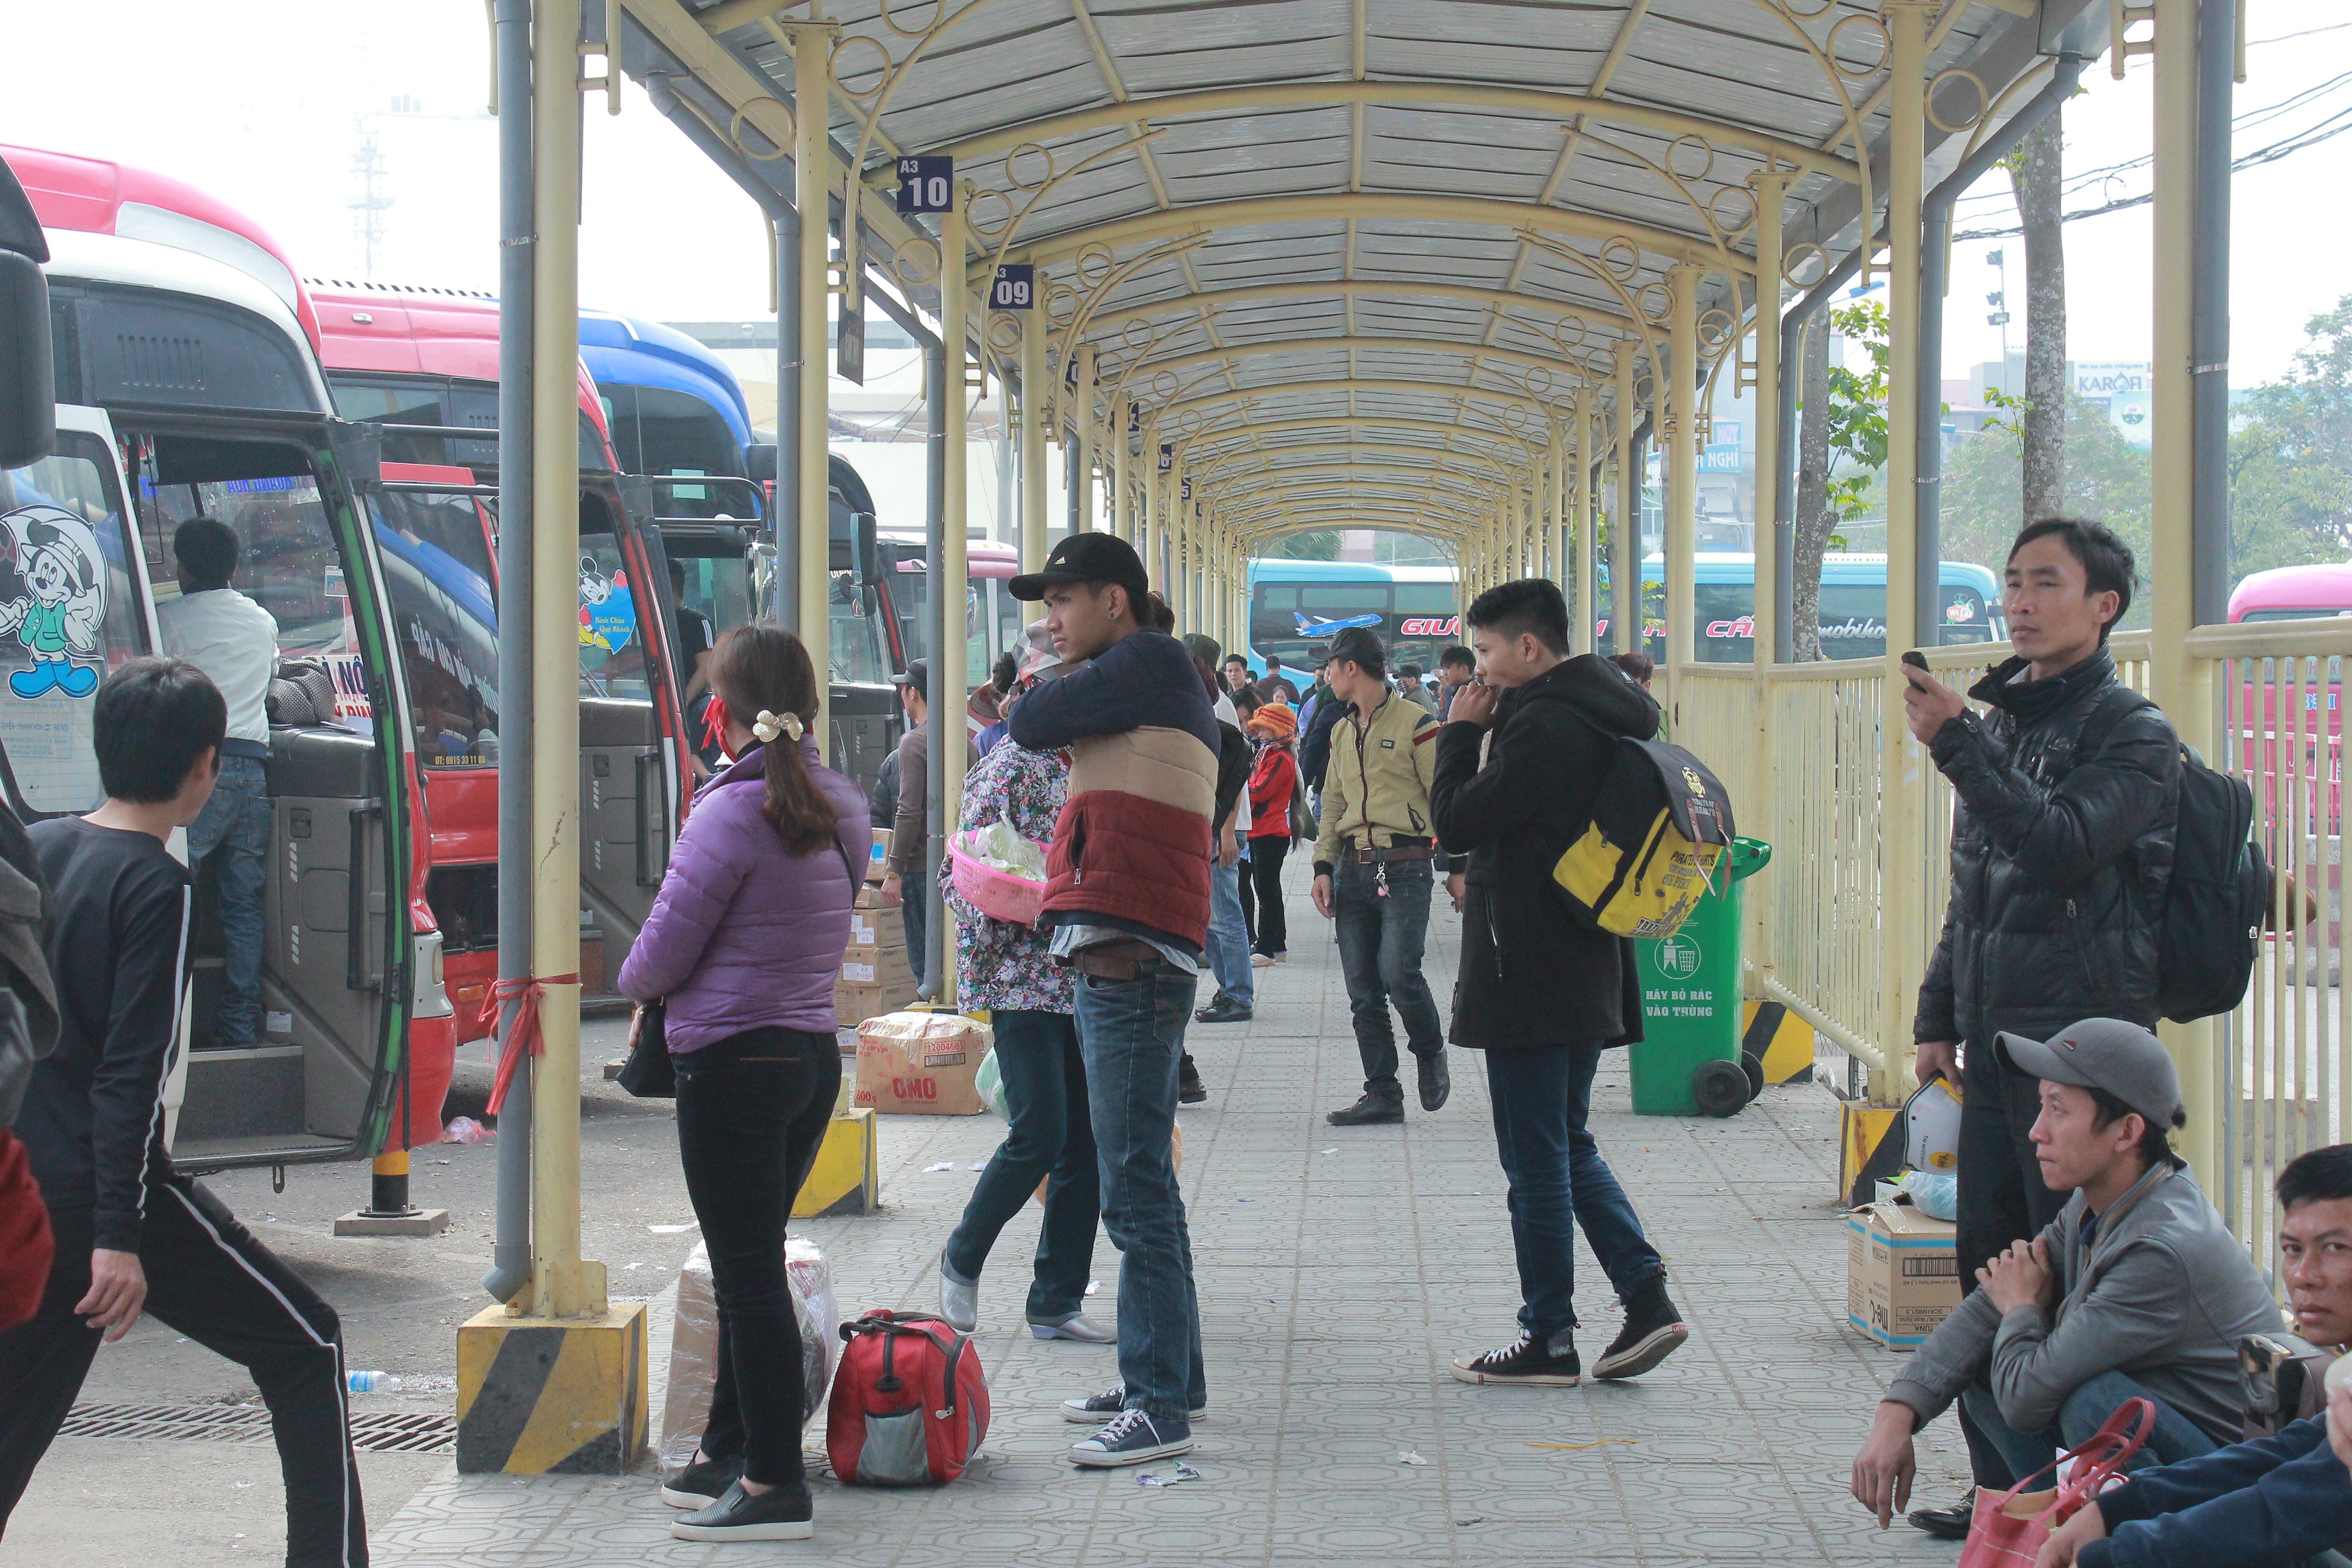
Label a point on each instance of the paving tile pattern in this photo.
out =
(1339, 1270)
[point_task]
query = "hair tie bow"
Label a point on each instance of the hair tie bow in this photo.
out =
(768, 726)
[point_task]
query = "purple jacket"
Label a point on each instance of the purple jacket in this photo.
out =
(745, 935)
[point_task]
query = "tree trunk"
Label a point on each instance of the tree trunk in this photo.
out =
(2035, 174)
(1815, 520)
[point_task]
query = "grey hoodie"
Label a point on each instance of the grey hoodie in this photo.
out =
(2163, 1296)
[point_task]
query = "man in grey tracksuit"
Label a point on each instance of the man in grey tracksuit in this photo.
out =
(2136, 1291)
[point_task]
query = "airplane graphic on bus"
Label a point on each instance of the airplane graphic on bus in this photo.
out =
(1316, 627)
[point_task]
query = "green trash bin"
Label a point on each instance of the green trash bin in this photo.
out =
(1688, 1063)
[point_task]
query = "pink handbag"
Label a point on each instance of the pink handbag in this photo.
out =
(2011, 1528)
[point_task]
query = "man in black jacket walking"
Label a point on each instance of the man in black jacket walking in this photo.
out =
(2062, 844)
(1540, 992)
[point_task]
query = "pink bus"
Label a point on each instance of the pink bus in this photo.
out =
(2290, 704)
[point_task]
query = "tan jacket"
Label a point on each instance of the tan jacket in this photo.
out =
(1376, 787)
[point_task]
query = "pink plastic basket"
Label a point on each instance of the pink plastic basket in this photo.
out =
(995, 894)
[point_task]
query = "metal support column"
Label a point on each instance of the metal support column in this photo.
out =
(951, 581)
(811, 157)
(510, 1256)
(1770, 186)
(1122, 507)
(1082, 447)
(1680, 385)
(1582, 519)
(1625, 519)
(563, 1284)
(1037, 402)
(2174, 680)
(1902, 821)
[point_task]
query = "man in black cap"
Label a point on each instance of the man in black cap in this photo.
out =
(1127, 904)
(2137, 1290)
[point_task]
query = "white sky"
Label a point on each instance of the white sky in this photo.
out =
(267, 112)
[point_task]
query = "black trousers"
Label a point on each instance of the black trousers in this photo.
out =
(1270, 934)
(2003, 1198)
(208, 1278)
(751, 1110)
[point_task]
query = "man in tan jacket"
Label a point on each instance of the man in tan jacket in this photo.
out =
(1373, 876)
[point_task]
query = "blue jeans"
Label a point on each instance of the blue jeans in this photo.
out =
(236, 820)
(1542, 1097)
(1380, 940)
(1229, 947)
(1131, 1033)
(1052, 1140)
(2087, 1409)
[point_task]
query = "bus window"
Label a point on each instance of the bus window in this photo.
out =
(858, 653)
(436, 565)
(1726, 614)
(62, 542)
(1853, 620)
(612, 649)
(1010, 622)
(1966, 618)
(1425, 598)
(289, 564)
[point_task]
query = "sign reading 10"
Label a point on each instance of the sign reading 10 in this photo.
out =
(927, 185)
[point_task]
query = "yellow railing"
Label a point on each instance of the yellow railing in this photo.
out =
(1810, 782)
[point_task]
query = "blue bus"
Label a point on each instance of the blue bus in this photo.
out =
(1296, 608)
(675, 409)
(1852, 607)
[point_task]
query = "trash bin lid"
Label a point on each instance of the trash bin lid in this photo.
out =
(1749, 856)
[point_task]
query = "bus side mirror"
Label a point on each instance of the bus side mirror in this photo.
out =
(28, 383)
(865, 538)
(760, 461)
(28, 409)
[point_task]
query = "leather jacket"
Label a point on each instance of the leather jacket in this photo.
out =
(2059, 861)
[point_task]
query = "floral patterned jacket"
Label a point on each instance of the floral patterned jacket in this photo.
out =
(999, 965)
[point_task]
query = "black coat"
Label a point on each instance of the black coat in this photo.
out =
(1314, 745)
(1533, 974)
(2059, 861)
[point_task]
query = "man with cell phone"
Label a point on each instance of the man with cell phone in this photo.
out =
(2061, 843)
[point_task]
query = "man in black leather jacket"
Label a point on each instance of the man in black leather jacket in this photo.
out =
(2058, 866)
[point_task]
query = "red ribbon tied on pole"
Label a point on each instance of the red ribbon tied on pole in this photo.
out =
(524, 1038)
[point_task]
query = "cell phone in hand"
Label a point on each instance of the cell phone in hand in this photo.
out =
(1916, 660)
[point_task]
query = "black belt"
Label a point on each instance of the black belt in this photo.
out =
(1121, 959)
(1402, 849)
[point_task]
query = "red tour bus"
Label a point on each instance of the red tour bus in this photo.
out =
(421, 364)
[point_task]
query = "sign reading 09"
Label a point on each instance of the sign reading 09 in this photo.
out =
(927, 183)
(1015, 288)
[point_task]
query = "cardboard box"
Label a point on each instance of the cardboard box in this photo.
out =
(878, 926)
(920, 1064)
(1903, 1273)
(872, 897)
(853, 1004)
(878, 865)
(884, 966)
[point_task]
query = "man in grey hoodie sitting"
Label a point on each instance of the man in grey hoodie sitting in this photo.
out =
(2136, 1291)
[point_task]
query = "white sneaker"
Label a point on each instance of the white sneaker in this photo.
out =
(1263, 961)
(959, 1298)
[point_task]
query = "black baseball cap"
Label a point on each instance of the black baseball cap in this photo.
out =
(1087, 558)
(918, 674)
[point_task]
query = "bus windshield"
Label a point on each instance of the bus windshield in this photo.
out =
(658, 431)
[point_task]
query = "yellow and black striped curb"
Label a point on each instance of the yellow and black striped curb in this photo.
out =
(847, 1175)
(1778, 1039)
(537, 1397)
(1869, 1149)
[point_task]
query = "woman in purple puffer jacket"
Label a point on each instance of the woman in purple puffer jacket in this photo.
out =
(744, 943)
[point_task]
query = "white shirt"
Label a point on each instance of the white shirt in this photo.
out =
(1228, 714)
(232, 640)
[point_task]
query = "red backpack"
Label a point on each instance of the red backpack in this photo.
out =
(909, 1402)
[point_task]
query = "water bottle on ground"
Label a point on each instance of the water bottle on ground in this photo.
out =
(371, 1383)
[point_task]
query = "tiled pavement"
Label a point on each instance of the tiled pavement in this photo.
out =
(1338, 1271)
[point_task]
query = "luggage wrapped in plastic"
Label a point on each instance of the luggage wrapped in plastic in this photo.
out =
(693, 1344)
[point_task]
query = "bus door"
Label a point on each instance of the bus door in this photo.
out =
(340, 964)
(632, 744)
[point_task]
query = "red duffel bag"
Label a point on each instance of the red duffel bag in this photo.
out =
(909, 1402)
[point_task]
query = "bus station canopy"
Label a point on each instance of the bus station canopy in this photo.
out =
(1360, 257)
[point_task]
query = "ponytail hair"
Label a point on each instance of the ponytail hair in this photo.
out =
(763, 669)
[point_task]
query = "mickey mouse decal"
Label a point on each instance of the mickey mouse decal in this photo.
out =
(53, 596)
(608, 611)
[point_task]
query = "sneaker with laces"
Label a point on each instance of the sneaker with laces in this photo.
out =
(959, 1298)
(1652, 1331)
(1132, 1438)
(1097, 1408)
(1523, 1361)
(780, 1513)
(701, 1483)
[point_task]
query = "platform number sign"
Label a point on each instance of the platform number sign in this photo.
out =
(1135, 417)
(927, 185)
(1015, 288)
(849, 347)
(1167, 456)
(1186, 492)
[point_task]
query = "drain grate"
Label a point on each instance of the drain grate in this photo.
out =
(374, 1432)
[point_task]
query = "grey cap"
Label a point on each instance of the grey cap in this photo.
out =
(2124, 1059)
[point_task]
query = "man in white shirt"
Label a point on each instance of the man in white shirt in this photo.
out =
(235, 642)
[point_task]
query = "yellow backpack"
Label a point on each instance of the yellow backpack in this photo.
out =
(1659, 825)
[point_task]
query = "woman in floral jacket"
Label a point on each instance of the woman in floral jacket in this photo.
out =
(1010, 970)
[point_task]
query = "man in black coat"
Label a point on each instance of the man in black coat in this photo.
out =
(2061, 846)
(1540, 992)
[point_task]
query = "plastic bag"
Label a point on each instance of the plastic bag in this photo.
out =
(1936, 1193)
(990, 1084)
(1005, 850)
(693, 1344)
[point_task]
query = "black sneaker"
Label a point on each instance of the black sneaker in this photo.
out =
(1949, 1523)
(1369, 1111)
(780, 1513)
(1097, 1408)
(1223, 1010)
(1522, 1361)
(1189, 1089)
(1436, 1083)
(1652, 1331)
(702, 1483)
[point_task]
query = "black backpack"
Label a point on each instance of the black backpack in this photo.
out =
(2220, 895)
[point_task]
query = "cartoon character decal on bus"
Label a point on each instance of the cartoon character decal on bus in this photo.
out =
(53, 596)
(608, 611)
